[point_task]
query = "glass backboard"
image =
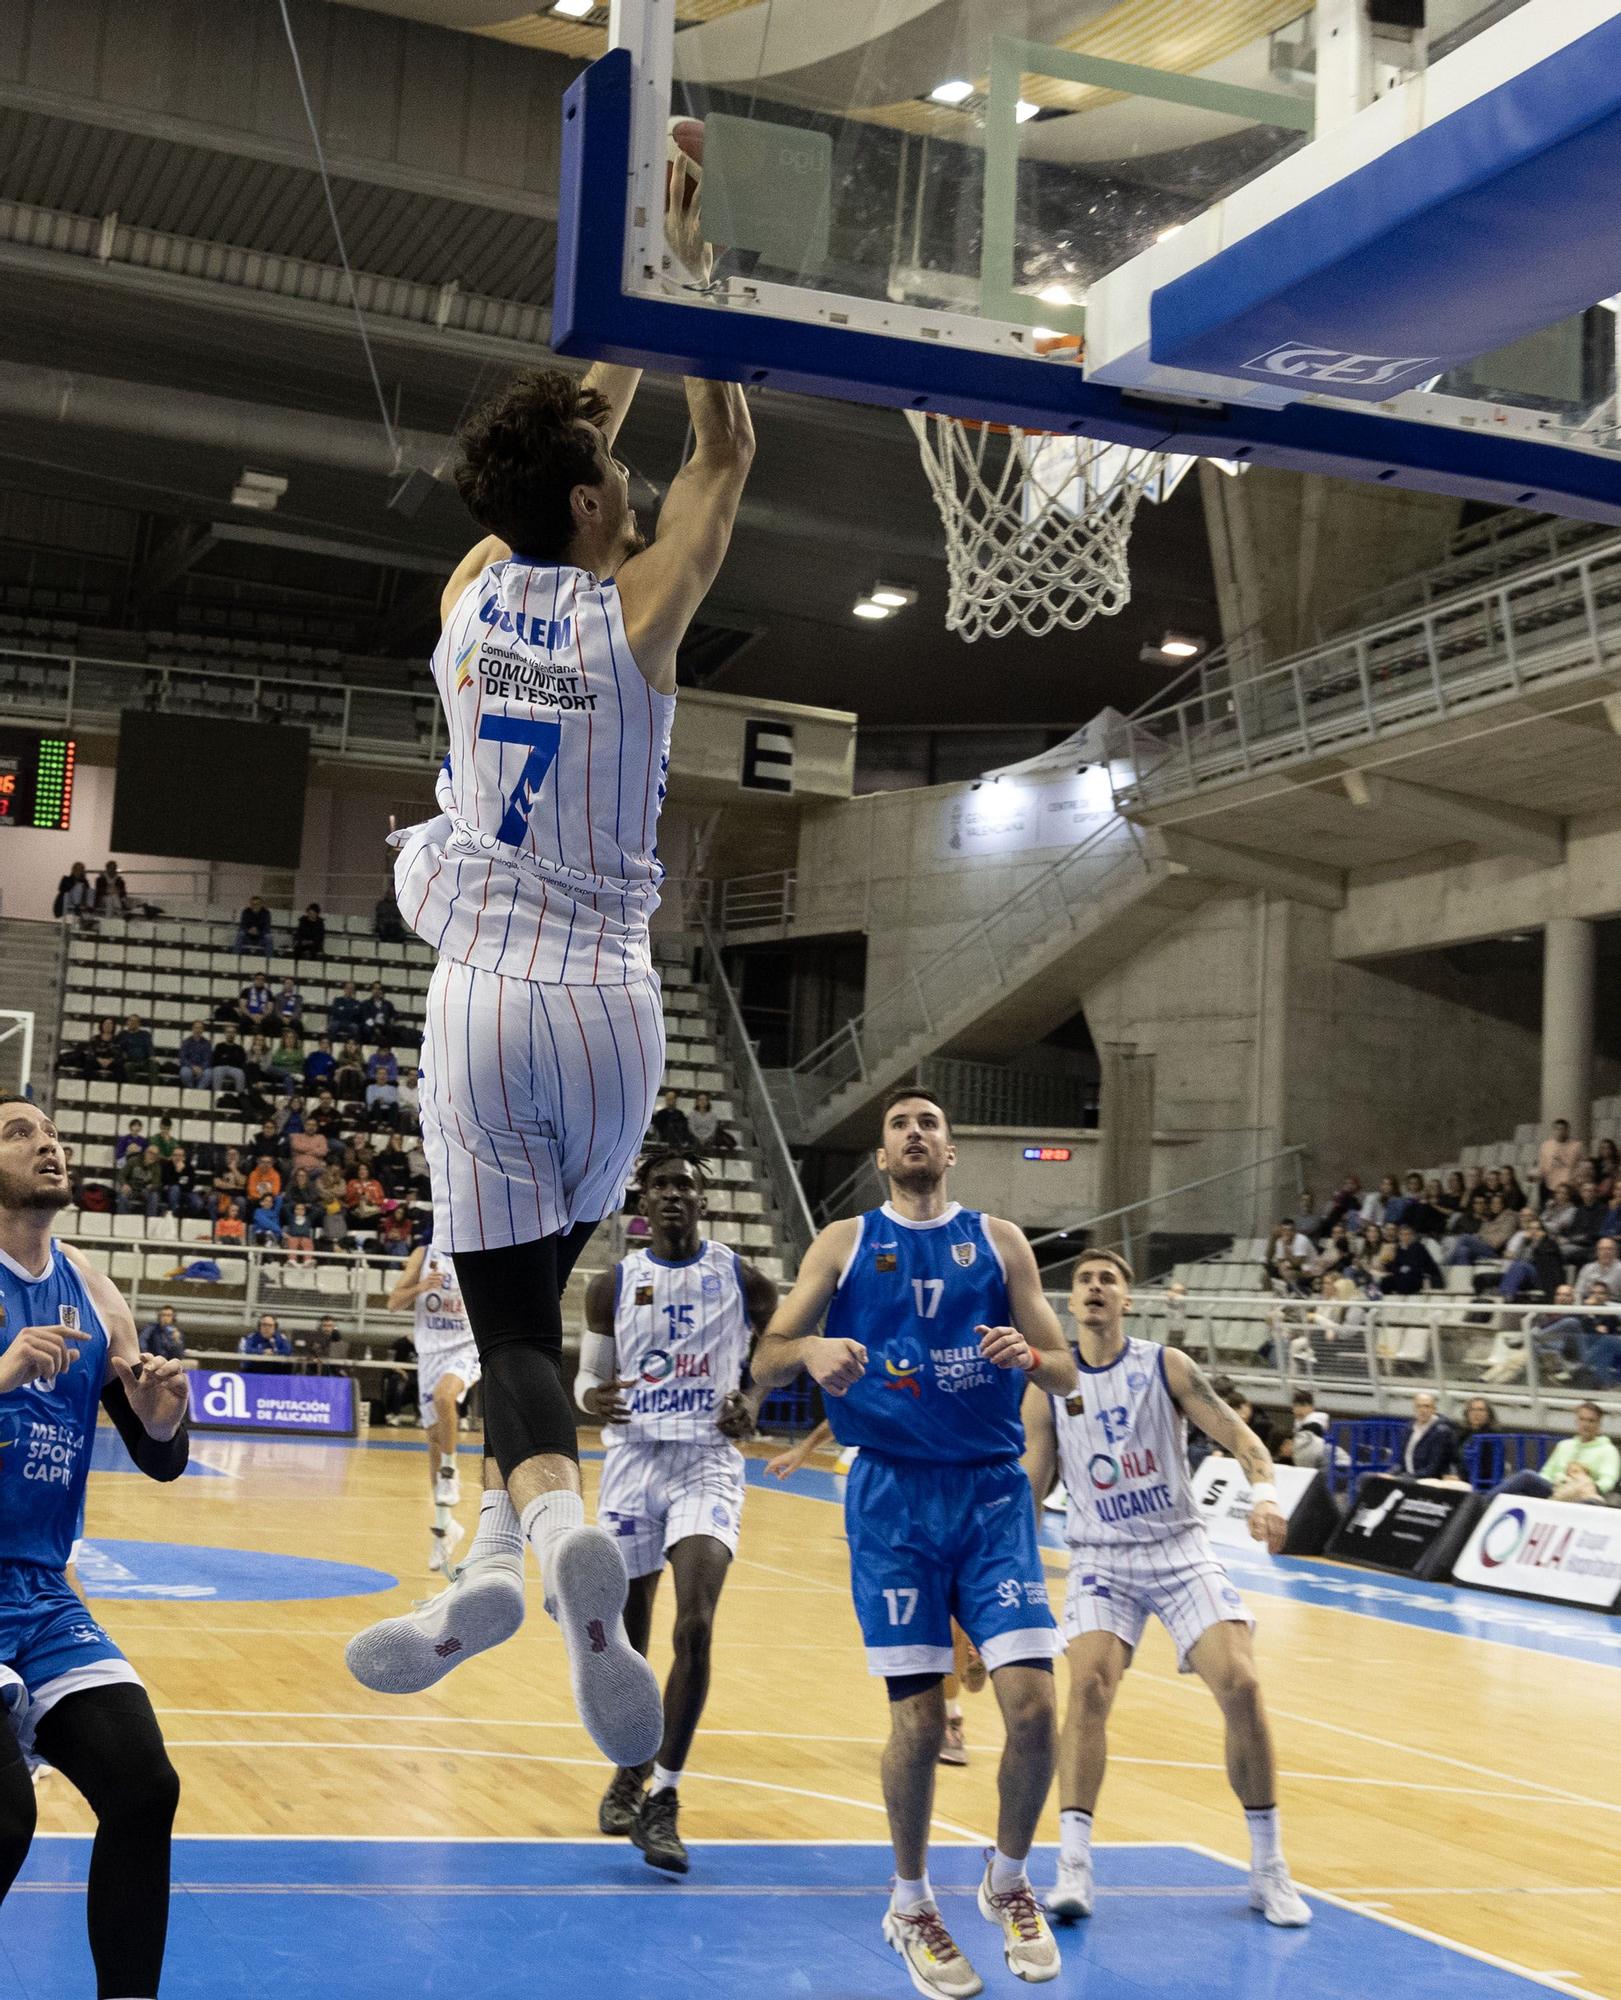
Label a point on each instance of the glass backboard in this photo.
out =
(909, 197)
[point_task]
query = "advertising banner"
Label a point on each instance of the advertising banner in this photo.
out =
(319, 1405)
(1546, 1548)
(1223, 1495)
(1404, 1525)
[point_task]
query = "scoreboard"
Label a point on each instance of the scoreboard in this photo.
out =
(36, 779)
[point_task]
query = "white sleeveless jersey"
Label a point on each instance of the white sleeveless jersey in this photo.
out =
(1122, 1452)
(441, 1318)
(543, 864)
(682, 1330)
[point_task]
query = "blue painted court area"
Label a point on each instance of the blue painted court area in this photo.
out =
(422, 1920)
(182, 1571)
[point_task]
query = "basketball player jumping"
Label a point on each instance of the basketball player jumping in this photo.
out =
(447, 1367)
(67, 1343)
(669, 1330)
(544, 1039)
(924, 1373)
(1138, 1546)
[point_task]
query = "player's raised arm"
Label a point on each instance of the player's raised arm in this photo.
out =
(1035, 1341)
(146, 1397)
(1040, 1445)
(791, 1341)
(1222, 1424)
(662, 587)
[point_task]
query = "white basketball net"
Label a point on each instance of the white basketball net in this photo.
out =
(1037, 523)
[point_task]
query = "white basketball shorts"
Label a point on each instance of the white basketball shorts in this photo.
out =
(1115, 1587)
(654, 1495)
(535, 1101)
(433, 1367)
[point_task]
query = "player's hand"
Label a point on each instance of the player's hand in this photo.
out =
(607, 1402)
(1268, 1525)
(39, 1353)
(736, 1418)
(787, 1462)
(1006, 1347)
(157, 1393)
(835, 1365)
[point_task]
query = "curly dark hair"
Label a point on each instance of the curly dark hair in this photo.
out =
(522, 454)
(659, 1156)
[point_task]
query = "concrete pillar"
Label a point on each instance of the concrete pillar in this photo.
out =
(1126, 1134)
(1567, 1022)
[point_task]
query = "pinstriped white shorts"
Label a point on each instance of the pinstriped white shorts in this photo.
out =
(535, 1101)
(1116, 1587)
(655, 1494)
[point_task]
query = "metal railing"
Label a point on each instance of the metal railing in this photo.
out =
(1156, 1232)
(75, 690)
(1561, 618)
(1377, 1353)
(987, 1093)
(735, 1041)
(985, 958)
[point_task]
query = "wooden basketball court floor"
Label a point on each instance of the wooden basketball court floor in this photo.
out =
(1451, 1777)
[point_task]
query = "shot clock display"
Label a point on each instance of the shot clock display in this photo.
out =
(36, 779)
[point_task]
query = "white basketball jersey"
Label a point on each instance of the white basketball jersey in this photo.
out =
(441, 1318)
(544, 863)
(682, 1330)
(1122, 1452)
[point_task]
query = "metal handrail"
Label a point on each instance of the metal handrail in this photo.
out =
(1092, 1222)
(778, 1161)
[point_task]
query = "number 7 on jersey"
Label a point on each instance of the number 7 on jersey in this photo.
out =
(542, 739)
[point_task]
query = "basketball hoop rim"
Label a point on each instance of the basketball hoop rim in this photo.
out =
(1069, 345)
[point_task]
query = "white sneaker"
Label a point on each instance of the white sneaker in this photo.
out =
(445, 1542)
(480, 1608)
(1277, 1898)
(929, 1953)
(615, 1690)
(448, 1490)
(1071, 1896)
(1028, 1944)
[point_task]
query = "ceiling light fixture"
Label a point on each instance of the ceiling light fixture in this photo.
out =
(867, 608)
(955, 90)
(573, 10)
(1024, 111)
(1177, 646)
(892, 596)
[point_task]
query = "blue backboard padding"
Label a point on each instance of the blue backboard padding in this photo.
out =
(1495, 221)
(593, 316)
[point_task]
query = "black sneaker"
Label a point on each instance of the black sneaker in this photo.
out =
(617, 1813)
(654, 1832)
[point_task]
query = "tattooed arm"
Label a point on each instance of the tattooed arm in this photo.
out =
(1222, 1424)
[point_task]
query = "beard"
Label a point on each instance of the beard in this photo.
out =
(634, 539)
(23, 1194)
(917, 1176)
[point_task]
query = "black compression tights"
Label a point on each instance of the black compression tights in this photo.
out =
(514, 1307)
(106, 1742)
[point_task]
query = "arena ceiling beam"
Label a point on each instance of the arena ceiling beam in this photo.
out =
(1246, 868)
(1500, 829)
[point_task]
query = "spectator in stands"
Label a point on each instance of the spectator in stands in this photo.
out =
(332, 1217)
(1561, 1339)
(1334, 1254)
(703, 1121)
(299, 1185)
(309, 936)
(349, 1078)
(363, 1197)
(382, 1079)
(256, 1005)
(392, 1170)
(162, 1337)
(1491, 1224)
(1558, 1157)
(229, 1226)
(1308, 1446)
(1584, 1466)
(103, 1055)
(135, 1039)
(1383, 1204)
(1454, 1197)
(266, 1338)
(385, 918)
(74, 895)
(132, 1141)
(287, 1060)
(185, 1188)
(1579, 1239)
(670, 1125)
(1412, 1269)
(307, 1150)
(1371, 1256)
(229, 1177)
(269, 1140)
(140, 1183)
(299, 1234)
(1604, 1268)
(1426, 1209)
(1559, 1213)
(1536, 1267)
(1431, 1450)
(327, 1116)
(1479, 1420)
(396, 1235)
(289, 1010)
(163, 1138)
(264, 1221)
(1606, 1168)
(264, 1180)
(319, 1064)
(230, 1063)
(377, 1015)
(1345, 1205)
(343, 1016)
(110, 897)
(409, 1102)
(418, 1160)
(262, 1078)
(317, 1348)
(253, 932)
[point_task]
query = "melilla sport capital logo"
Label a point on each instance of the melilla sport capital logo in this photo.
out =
(1504, 1538)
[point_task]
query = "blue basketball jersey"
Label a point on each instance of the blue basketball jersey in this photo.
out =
(912, 1294)
(46, 1432)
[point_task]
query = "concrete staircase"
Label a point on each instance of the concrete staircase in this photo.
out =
(32, 962)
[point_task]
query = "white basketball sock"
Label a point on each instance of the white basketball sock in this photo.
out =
(545, 1522)
(954, 1711)
(1006, 1873)
(499, 1536)
(441, 1516)
(1075, 1835)
(1266, 1840)
(906, 1896)
(663, 1780)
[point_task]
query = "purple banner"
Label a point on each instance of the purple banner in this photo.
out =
(298, 1404)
